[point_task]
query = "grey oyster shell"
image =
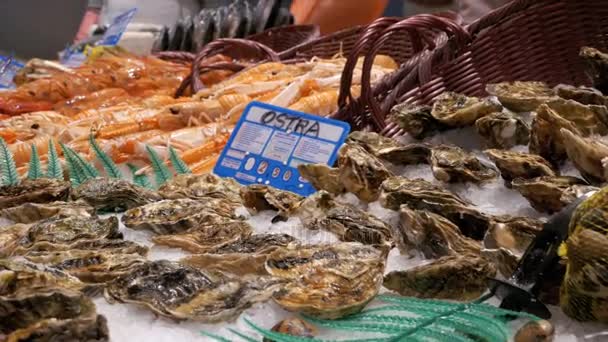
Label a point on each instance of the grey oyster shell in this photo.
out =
(32, 212)
(457, 110)
(416, 120)
(42, 190)
(503, 130)
(452, 164)
(513, 165)
(521, 96)
(109, 194)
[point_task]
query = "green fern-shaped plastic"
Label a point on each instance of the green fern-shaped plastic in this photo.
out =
(107, 162)
(161, 171)
(141, 179)
(411, 319)
(75, 170)
(7, 165)
(89, 169)
(178, 164)
(34, 170)
(53, 169)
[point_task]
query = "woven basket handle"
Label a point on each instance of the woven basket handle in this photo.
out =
(234, 47)
(370, 34)
(416, 27)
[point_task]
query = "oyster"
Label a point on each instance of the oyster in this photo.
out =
(178, 215)
(322, 177)
(110, 194)
(321, 211)
(32, 212)
(209, 235)
(63, 231)
(545, 138)
(90, 266)
(456, 277)
(258, 197)
(358, 172)
(507, 240)
(42, 190)
(514, 165)
(537, 331)
(201, 187)
(452, 164)
(433, 235)
(586, 154)
(107, 245)
(57, 315)
(421, 195)
(390, 150)
(183, 292)
(597, 67)
(10, 237)
(416, 120)
(294, 326)
(244, 256)
(457, 110)
(521, 96)
(18, 278)
(503, 130)
(326, 281)
(550, 194)
(584, 95)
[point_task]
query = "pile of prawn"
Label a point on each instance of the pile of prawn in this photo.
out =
(126, 119)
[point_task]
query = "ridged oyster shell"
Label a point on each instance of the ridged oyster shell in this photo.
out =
(551, 194)
(32, 212)
(503, 130)
(416, 120)
(456, 277)
(201, 187)
(452, 164)
(587, 154)
(326, 281)
(42, 190)
(457, 110)
(390, 150)
(208, 235)
(514, 165)
(597, 67)
(109, 194)
(257, 197)
(521, 96)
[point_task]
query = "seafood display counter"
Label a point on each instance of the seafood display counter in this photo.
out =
(115, 228)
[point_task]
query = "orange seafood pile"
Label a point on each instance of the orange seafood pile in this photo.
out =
(126, 113)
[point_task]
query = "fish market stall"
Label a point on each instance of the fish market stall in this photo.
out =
(343, 188)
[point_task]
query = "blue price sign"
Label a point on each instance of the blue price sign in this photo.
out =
(269, 142)
(117, 28)
(8, 69)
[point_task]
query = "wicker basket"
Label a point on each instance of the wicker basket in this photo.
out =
(285, 37)
(524, 40)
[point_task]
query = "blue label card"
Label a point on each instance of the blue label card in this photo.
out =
(73, 59)
(8, 69)
(269, 142)
(117, 28)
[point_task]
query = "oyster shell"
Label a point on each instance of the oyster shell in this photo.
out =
(201, 187)
(433, 235)
(550, 194)
(503, 130)
(390, 150)
(64, 231)
(259, 197)
(416, 120)
(32, 212)
(421, 195)
(326, 281)
(456, 277)
(507, 240)
(244, 256)
(42, 190)
(178, 215)
(597, 67)
(209, 235)
(358, 172)
(545, 137)
(322, 177)
(452, 164)
(514, 165)
(90, 266)
(584, 95)
(10, 237)
(18, 278)
(183, 292)
(586, 154)
(521, 96)
(457, 110)
(107, 245)
(294, 326)
(57, 315)
(110, 194)
(321, 211)
(538, 331)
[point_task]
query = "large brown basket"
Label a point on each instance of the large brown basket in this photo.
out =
(524, 40)
(285, 37)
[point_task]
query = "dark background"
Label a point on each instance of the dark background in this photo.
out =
(41, 28)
